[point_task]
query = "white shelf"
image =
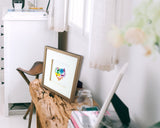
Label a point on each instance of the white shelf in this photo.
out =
(25, 38)
(25, 15)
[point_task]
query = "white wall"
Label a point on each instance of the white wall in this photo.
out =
(142, 91)
(139, 88)
(4, 5)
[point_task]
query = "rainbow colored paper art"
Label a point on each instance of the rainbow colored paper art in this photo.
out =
(60, 73)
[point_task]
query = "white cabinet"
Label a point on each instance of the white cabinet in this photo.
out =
(25, 36)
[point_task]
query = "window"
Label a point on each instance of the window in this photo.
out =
(79, 14)
(76, 12)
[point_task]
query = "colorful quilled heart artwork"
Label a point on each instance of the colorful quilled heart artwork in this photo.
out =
(60, 73)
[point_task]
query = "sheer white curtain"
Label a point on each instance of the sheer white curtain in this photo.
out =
(105, 14)
(58, 15)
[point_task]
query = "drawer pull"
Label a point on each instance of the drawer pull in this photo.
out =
(2, 34)
(2, 58)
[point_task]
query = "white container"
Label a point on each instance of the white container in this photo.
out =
(18, 6)
(25, 36)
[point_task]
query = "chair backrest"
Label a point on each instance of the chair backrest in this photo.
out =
(35, 70)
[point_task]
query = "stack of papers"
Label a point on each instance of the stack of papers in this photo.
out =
(87, 119)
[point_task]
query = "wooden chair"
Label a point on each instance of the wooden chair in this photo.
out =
(35, 70)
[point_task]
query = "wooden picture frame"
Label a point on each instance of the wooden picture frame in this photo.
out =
(61, 72)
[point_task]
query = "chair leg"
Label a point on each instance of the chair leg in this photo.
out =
(30, 114)
(29, 109)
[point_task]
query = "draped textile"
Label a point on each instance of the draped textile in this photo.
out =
(105, 14)
(58, 15)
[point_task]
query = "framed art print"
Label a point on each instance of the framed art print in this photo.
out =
(61, 72)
